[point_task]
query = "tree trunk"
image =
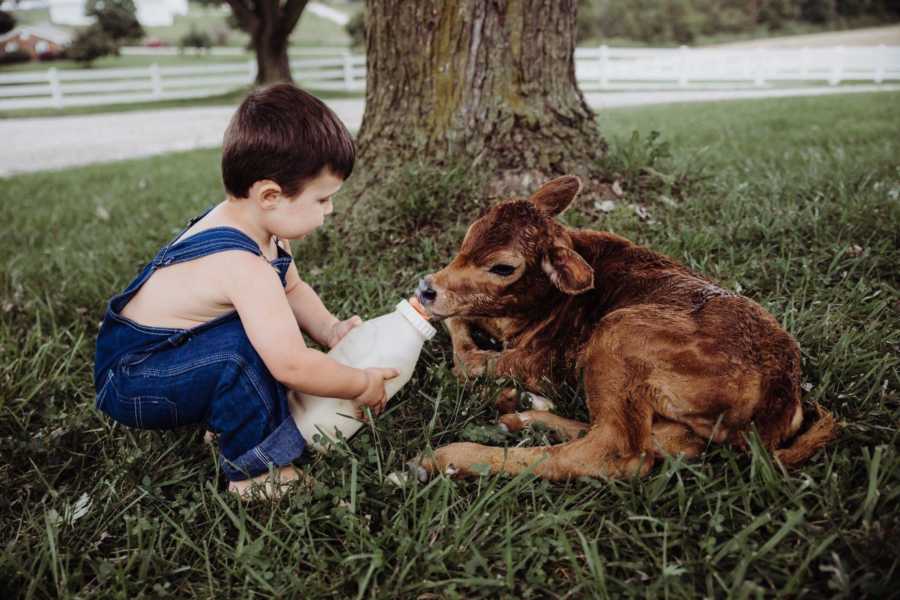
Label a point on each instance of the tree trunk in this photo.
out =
(272, 63)
(269, 25)
(491, 84)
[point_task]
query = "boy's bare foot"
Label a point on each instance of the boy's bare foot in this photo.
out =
(268, 485)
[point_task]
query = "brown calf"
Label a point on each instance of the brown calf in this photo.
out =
(669, 360)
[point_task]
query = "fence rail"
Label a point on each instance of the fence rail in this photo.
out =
(633, 68)
(596, 69)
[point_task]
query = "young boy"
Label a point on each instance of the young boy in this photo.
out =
(210, 331)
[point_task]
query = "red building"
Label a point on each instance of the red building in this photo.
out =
(35, 40)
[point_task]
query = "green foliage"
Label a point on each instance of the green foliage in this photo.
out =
(195, 39)
(421, 194)
(116, 23)
(356, 29)
(14, 57)
(116, 18)
(684, 21)
(90, 44)
(7, 22)
(643, 168)
(798, 211)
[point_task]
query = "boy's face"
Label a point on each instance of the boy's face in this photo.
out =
(294, 218)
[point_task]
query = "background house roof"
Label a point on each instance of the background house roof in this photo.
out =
(44, 31)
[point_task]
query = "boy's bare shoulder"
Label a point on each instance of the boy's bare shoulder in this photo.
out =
(239, 267)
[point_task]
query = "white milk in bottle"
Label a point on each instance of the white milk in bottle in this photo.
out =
(393, 340)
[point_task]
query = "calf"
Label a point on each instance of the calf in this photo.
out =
(669, 360)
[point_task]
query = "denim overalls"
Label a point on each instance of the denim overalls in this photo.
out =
(160, 378)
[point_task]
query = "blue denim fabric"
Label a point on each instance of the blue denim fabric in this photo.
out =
(161, 378)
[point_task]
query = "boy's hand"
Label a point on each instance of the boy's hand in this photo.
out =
(341, 328)
(375, 396)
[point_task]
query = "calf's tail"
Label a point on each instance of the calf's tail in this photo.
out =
(820, 432)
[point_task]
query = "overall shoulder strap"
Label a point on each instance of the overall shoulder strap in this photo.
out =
(206, 242)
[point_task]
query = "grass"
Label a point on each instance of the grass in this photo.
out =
(128, 61)
(794, 202)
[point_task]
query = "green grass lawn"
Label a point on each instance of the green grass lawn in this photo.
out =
(794, 202)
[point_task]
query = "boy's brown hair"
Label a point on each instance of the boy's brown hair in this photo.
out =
(284, 134)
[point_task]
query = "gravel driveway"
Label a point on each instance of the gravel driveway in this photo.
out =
(37, 144)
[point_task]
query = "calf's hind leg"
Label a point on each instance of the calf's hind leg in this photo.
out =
(671, 438)
(579, 458)
(568, 429)
(508, 400)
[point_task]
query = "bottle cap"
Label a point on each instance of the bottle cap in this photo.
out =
(414, 302)
(416, 319)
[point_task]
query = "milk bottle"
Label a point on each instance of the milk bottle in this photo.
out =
(393, 340)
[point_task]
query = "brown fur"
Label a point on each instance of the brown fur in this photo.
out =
(670, 362)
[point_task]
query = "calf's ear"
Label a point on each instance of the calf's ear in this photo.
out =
(555, 196)
(568, 271)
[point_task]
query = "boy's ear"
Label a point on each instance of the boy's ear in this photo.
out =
(555, 196)
(266, 192)
(568, 270)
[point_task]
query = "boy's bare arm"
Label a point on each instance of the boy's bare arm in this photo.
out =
(253, 287)
(309, 310)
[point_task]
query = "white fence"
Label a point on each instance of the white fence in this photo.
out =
(57, 88)
(601, 68)
(607, 68)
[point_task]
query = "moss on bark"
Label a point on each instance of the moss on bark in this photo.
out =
(488, 83)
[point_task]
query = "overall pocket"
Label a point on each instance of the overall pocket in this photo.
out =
(133, 360)
(140, 408)
(149, 412)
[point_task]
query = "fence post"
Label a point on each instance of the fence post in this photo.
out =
(155, 80)
(604, 66)
(682, 66)
(880, 60)
(348, 71)
(55, 87)
(837, 70)
(760, 73)
(804, 63)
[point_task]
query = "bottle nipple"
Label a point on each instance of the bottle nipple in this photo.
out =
(414, 302)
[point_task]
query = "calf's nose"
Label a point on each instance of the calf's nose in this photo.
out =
(424, 292)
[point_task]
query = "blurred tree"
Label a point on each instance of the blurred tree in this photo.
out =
(488, 84)
(90, 44)
(777, 13)
(819, 11)
(7, 22)
(116, 23)
(195, 39)
(356, 29)
(682, 21)
(269, 24)
(116, 18)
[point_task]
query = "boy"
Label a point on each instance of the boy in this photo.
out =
(210, 331)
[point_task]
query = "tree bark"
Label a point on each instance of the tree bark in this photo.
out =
(272, 63)
(491, 83)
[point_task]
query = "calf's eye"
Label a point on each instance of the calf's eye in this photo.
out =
(503, 270)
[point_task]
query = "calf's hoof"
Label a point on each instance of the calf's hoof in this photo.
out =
(416, 469)
(507, 401)
(539, 402)
(511, 422)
